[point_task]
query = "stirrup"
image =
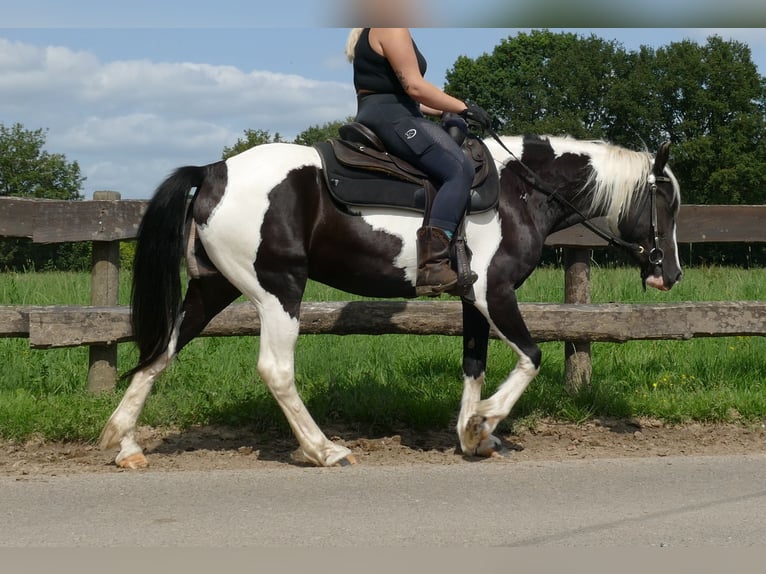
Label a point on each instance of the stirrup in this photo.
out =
(434, 290)
(466, 277)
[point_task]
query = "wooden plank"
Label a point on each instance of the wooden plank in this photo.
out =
(72, 326)
(618, 323)
(51, 221)
(54, 221)
(69, 326)
(14, 320)
(578, 236)
(722, 223)
(17, 216)
(696, 224)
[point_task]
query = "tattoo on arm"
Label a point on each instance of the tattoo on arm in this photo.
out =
(402, 80)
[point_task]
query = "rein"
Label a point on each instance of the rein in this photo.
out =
(655, 254)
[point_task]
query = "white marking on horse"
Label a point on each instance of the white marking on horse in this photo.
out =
(232, 234)
(403, 226)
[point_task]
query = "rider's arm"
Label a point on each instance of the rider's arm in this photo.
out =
(430, 111)
(396, 46)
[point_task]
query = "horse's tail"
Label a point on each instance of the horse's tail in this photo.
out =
(156, 292)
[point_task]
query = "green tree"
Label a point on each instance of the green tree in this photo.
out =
(317, 133)
(543, 82)
(713, 104)
(709, 100)
(251, 138)
(27, 170)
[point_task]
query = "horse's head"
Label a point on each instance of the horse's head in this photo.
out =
(650, 223)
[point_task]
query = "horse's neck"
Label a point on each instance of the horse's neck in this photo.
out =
(565, 222)
(551, 215)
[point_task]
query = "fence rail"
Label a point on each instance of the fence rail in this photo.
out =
(56, 221)
(106, 221)
(52, 327)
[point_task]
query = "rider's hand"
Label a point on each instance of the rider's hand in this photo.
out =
(477, 114)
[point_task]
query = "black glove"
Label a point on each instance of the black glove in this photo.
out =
(477, 114)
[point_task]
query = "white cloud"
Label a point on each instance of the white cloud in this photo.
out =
(129, 123)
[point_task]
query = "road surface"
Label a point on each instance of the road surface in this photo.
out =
(636, 502)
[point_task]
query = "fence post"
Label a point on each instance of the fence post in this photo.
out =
(104, 292)
(577, 363)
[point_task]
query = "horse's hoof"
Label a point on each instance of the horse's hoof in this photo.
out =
(133, 462)
(349, 460)
(476, 431)
(491, 447)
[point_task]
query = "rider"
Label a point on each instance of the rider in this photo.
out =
(392, 97)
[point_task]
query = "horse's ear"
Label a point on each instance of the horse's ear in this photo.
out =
(662, 158)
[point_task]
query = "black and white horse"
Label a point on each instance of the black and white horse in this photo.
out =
(262, 223)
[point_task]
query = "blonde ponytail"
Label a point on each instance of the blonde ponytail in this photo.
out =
(353, 38)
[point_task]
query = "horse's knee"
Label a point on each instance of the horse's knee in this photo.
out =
(276, 375)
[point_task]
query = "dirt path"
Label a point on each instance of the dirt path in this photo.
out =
(210, 448)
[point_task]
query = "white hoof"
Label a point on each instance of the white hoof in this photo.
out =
(134, 461)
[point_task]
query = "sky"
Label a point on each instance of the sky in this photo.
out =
(133, 91)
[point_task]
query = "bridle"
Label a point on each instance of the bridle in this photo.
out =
(655, 255)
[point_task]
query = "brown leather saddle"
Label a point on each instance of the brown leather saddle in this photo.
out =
(360, 173)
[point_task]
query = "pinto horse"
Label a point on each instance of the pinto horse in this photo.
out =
(262, 223)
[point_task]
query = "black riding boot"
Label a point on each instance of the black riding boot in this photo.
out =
(435, 274)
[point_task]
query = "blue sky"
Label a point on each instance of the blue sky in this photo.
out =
(133, 91)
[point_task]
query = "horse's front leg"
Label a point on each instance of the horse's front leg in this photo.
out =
(512, 329)
(470, 428)
(479, 418)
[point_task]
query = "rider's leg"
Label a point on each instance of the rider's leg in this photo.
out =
(444, 161)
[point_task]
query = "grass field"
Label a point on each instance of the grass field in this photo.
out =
(381, 383)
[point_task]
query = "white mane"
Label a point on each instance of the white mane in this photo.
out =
(617, 176)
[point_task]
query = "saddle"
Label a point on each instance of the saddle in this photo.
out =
(359, 172)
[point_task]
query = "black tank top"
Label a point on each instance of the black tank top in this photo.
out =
(373, 73)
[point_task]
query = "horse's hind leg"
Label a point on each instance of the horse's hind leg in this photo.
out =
(205, 298)
(120, 429)
(279, 333)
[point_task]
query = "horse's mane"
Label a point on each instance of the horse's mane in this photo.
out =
(616, 177)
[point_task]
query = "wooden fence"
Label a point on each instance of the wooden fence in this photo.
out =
(106, 221)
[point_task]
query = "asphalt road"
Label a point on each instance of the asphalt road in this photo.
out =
(657, 502)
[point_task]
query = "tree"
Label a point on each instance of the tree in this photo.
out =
(708, 100)
(317, 133)
(713, 104)
(251, 138)
(27, 170)
(543, 82)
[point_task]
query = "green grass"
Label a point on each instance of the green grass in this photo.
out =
(382, 383)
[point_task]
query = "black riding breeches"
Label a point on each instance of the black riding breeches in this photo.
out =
(404, 131)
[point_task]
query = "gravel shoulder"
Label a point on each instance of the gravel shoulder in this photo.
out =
(216, 448)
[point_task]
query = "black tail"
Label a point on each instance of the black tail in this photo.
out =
(156, 293)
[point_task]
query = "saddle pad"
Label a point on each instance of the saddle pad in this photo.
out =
(374, 187)
(365, 188)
